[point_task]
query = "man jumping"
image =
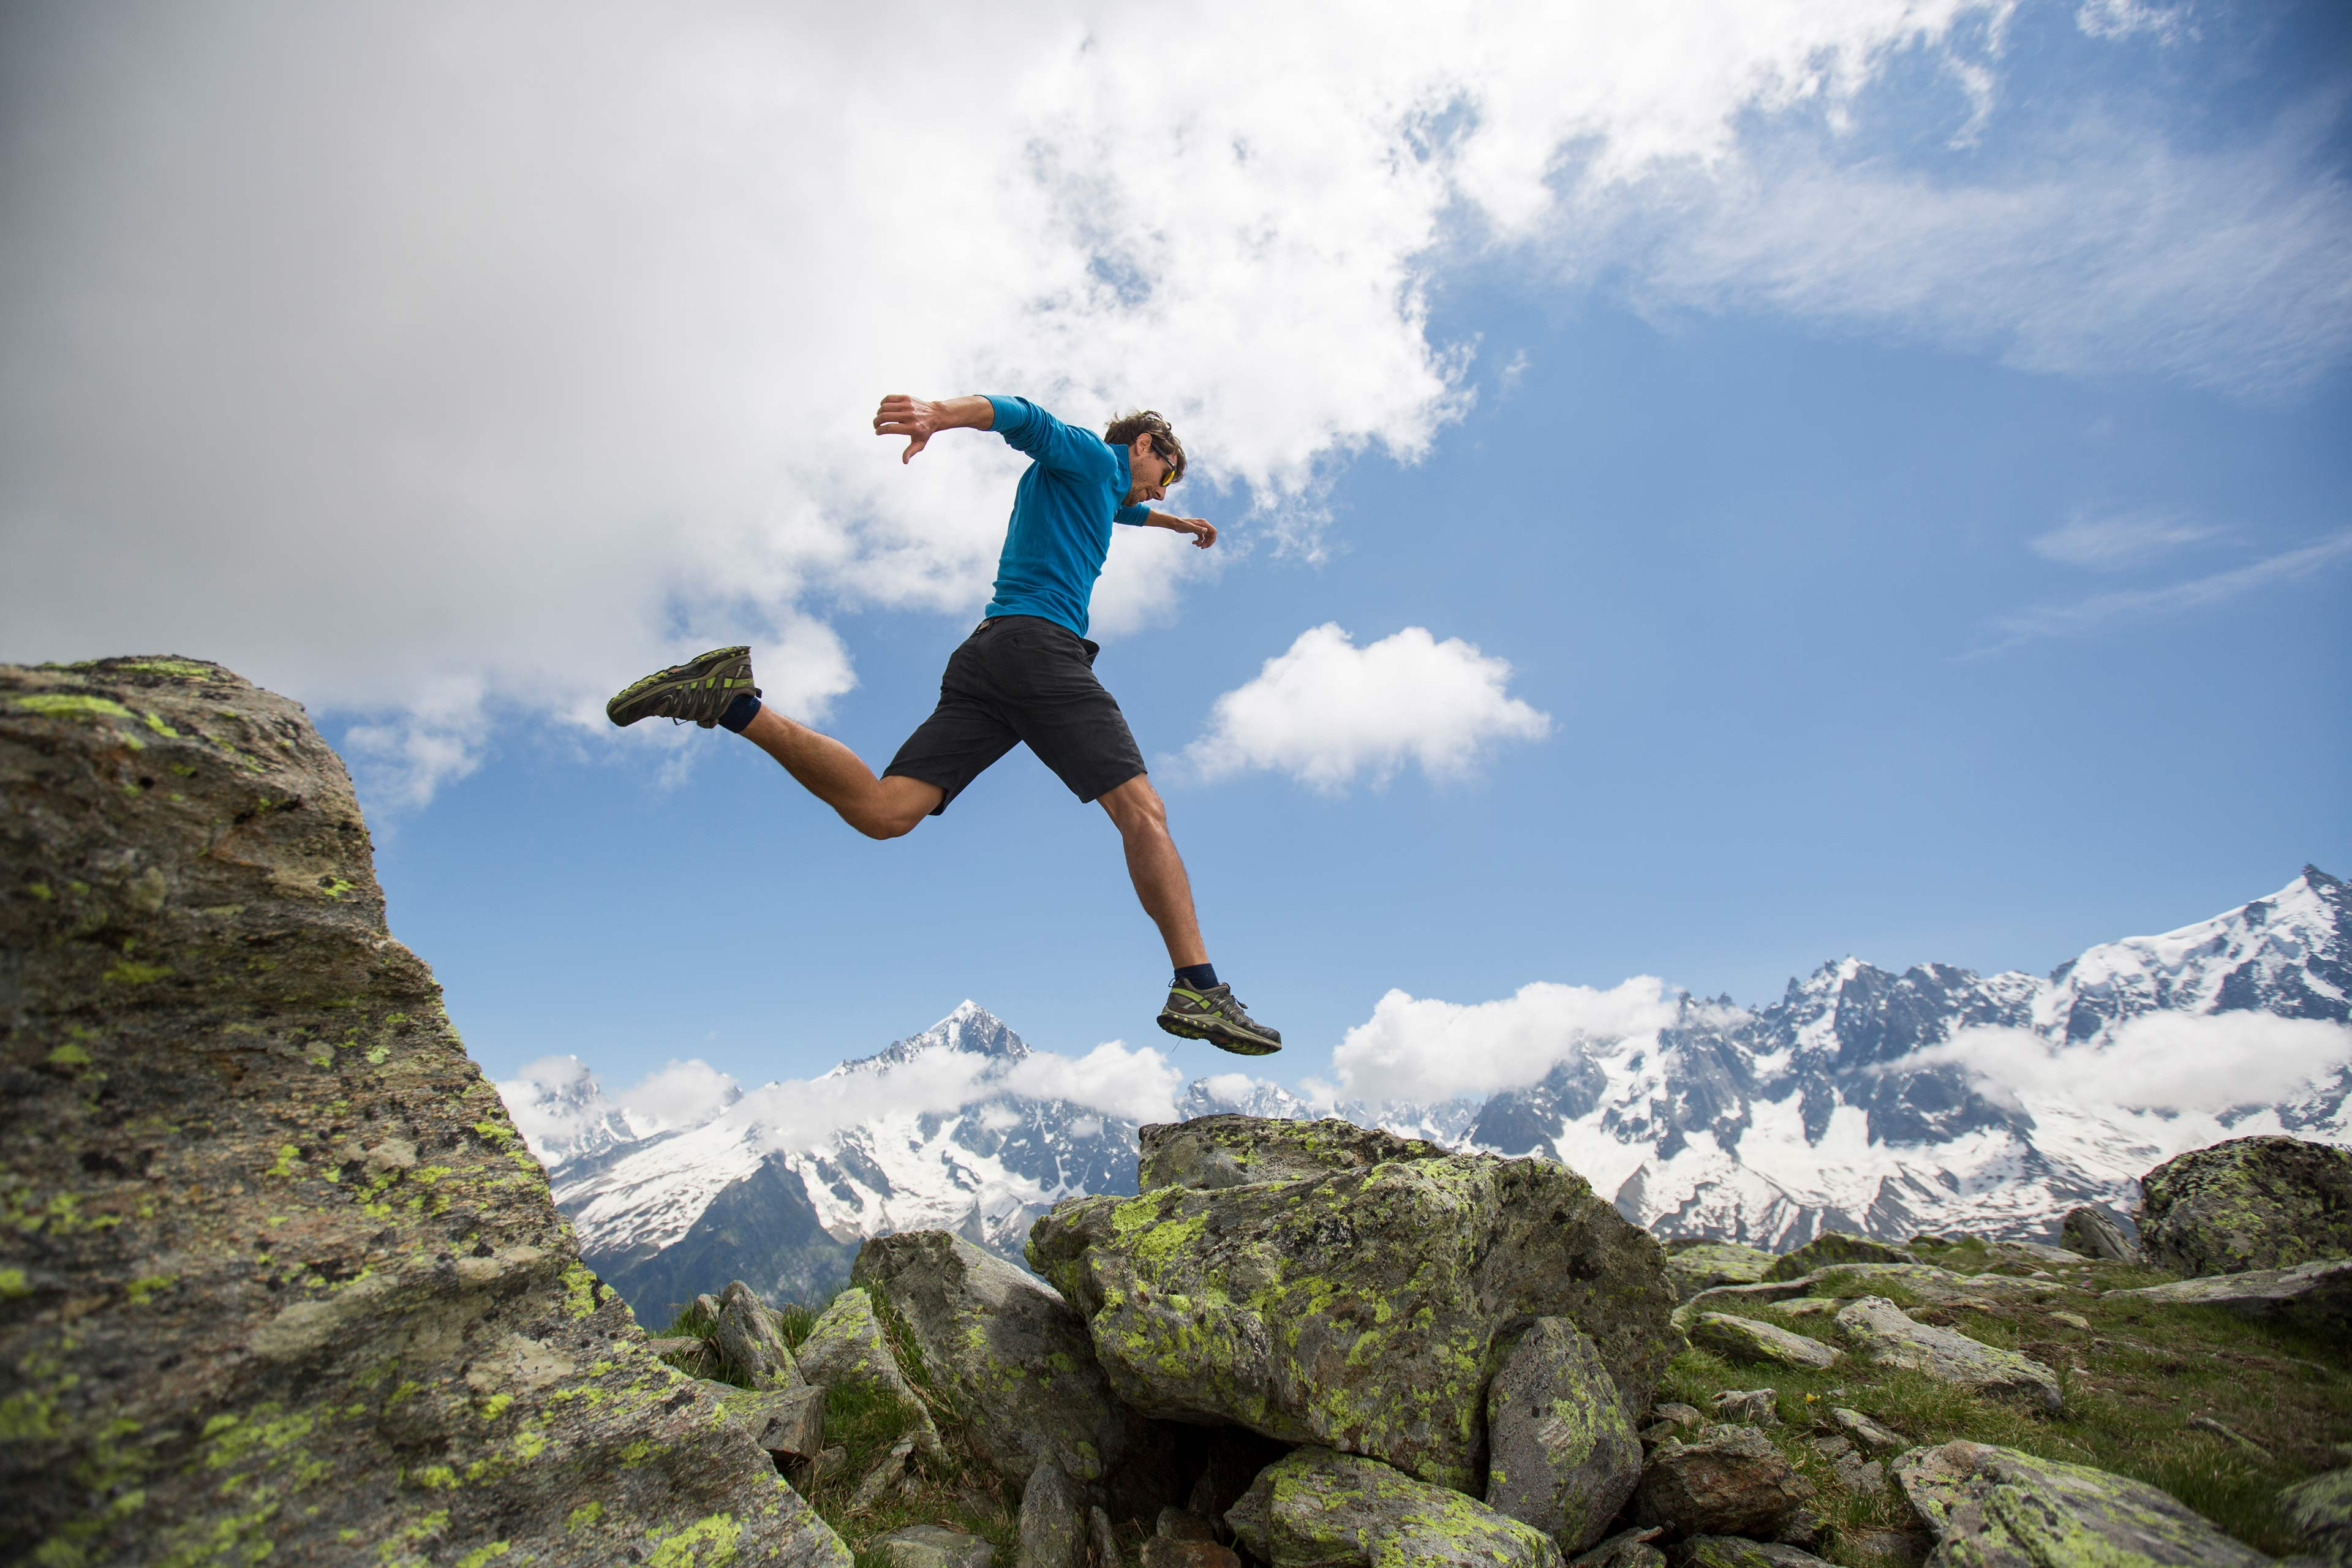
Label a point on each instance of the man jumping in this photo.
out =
(1025, 674)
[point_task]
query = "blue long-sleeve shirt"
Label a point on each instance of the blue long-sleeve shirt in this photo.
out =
(1062, 514)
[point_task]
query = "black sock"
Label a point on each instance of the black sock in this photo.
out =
(740, 712)
(1197, 976)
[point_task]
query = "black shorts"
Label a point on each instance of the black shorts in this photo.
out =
(1019, 678)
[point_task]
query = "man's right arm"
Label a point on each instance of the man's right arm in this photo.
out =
(919, 421)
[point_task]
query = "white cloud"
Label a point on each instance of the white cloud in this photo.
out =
(2176, 1062)
(2087, 615)
(1138, 1085)
(1327, 711)
(388, 351)
(676, 1094)
(2122, 18)
(2118, 541)
(1423, 1049)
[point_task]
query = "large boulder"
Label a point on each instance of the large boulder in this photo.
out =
(1319, 1508)
(2249, 1203)
(1885, 1335)
(1697, 1266)
(845, 1350)
(2318, 1295)
(1732, 1482)
(1361, 1308)
(1561, 1453)
(283, 1282)
(1012, 1357)
(1832, 1247)
(1998, 1508)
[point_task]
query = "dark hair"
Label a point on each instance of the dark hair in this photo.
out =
(1128, 426)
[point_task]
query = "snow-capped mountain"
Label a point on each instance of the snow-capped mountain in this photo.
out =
(1861, 1100)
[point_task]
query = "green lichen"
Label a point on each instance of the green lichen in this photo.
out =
(481, 1555)
(180, 668)
(40, 890)
(586, 1514)
(155, 724)
(142, 1290)
(66, 704)
(130, 974)
(579, 1291)
(13, 1285)
(69, 1056)
(719, 1533)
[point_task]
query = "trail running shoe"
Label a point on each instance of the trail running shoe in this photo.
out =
(1215, 1017)
(699, 689)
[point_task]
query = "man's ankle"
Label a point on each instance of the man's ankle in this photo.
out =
(1196, 977)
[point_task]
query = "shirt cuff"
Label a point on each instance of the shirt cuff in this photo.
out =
(1012, 415)
(1134, 516)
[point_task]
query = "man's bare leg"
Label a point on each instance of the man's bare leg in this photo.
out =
(1157, 870)
(879, 808)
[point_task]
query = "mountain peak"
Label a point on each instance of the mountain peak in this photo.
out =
(969, 1029)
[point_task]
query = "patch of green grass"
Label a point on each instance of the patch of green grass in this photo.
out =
(2131, 1379)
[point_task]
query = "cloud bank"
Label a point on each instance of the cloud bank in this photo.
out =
(447, 366)
(1328, 712)
(1424, 1050)
(2157, 1062)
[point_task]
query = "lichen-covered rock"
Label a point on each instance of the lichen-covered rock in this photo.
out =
(1885, 1335)
(1162, 1551)
(2317, 1294)
(1012, 1357)
(1697, 1266)
(1561, 1455)
(2249, 1203)
(2089, 1232)
(844, 1349)
(749, 1342)
(1737, 1552)
(1832, 1247)
(1865, 1433)
(1997, 1508)
(1319, 1508)
(1752, 1407)
(1053, 1524)
(1358, 1310)
(1746, 1339)
(2320, 1511)
(932, 1546)
(283, 1282)
(1213, 1152)
(1936, 1287)
(788, 1423)
(1732, 1481)
(1626, 1549)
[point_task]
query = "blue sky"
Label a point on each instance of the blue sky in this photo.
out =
(1916, 503)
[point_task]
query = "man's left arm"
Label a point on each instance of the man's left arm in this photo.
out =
(1203, 533)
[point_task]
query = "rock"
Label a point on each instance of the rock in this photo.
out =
(1234, 1456)
(749, 1343)
(2320, 1511)
(1745, 1339)
(1809, 1306)
(1701, 1265)
(2088, 1233)
(1867, 1433)
(887, 1476)
(1052, 1532)
(1182, 1524)
(1751, 1406)
(265, 1210)
(784, 1422)
(1319, 1509)
(846, 1349)
(1012, 1357)
(1732, 1481)
(1103, 1539)
(705, 1306)
(1159, 1552)
(1884, 1336)
(1998, 1508)
(2071, 1320)
(1213, 1152)
(1685, 1416)
(675, 1344)
(1876, 1546)
(1865, 1476)
(1562, 1455)
(1735, 1552)
(2318, 1294)
(933, 1546)
(2248, 1202)
(1360, 1309)
(1831, 1248)
(1626, 1549)
(1937, 1286)
(2031, 1251)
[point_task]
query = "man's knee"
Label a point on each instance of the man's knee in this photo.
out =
(898, 807)
(1136, 808)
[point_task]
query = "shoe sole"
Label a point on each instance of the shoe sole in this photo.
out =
(702, 667)
(1224, 1039)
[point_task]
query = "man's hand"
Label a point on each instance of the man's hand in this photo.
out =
(919, 421)
(1203, 533)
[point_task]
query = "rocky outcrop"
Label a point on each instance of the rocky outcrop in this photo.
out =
(2318, 1295)
(2249, 1203)
(1561, 1453)
(1361, 1309)
(283, 1282)
(2003, 1508)
(1695, 1265)
(844, 1349)
(1012, 1357)
(749, 1344)
(1746, 1339)
(1211, 1152)
(1933, 1286)
(1831, 1248)
(2088, 1233)
(1883, 1333)
(1318, 1509)
(1732, 1482)
(1731, 1552)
